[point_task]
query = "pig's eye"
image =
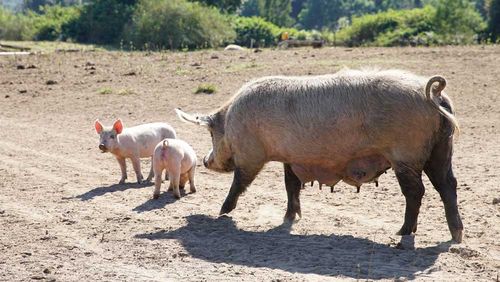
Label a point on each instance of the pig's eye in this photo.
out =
(112, 136)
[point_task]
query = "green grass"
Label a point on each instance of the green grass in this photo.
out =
(205, 88)
(105, 91)
(122, 92)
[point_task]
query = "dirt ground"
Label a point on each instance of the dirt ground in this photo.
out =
(63, 216)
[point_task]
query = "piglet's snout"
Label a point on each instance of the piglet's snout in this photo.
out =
(102, 147)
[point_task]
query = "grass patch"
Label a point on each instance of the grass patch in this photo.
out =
(105, 91)
(122, 92)
(205, 88)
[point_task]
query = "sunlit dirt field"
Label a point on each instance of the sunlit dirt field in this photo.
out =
(63, 216)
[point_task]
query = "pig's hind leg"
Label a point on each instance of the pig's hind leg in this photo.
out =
(413, 189)
(439, 170)
(183, 180)
(156, 193)
(151, 172)
(192, 188)
(175, 177)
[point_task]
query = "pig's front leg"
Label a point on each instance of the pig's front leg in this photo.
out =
(136, 163)
(123, 167)
(151, 172)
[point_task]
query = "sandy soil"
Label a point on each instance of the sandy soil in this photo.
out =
(63, 217)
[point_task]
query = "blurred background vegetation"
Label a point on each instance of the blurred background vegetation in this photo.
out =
(196, 24)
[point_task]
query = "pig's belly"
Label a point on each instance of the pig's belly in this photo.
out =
(354, 172)
(324, 175)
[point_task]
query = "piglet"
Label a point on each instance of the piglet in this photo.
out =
(179, 160)
(134, 142)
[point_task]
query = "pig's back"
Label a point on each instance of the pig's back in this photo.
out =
(145, 137)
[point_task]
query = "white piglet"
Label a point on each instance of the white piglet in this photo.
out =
(179, 160)
(132, 143)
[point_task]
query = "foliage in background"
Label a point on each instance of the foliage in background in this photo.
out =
(262, 32)
(192, 24)
(275, 11)
(458, 22)
(229, 6)
(425, 26)
(257, 32)
(325, 13)
(177, 24)
(14, 26)
(101, 21)
(48, 25)
(37, 6)
(390, 28)
(493, 8)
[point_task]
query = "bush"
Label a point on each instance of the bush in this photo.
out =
(267, 34)
(15, 26)
(263, 33)
(48, 26)
(100, 21)
(176, 24)
(447, 23)
(390, 28)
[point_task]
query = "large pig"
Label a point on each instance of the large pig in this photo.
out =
(132, 143)
(179, 160)
(351, 126)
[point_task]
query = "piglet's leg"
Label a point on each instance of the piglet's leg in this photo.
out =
(191, 179)
(156, 193)
(151, 172)
(175, 177)
(123, 167)
(136, 163)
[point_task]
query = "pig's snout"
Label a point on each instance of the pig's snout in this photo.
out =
(102, 148)
(205, 162)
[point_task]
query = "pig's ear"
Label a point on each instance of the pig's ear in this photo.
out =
(118, 126)
(199, 120)
(98, 126)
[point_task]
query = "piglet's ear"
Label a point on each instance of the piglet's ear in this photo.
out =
(118, 126)
(98, 126)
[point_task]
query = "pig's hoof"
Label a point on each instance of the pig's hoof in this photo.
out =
(291, 216)
(457, 235)
(122, 181)
(227, 207)
(406, 230)
(156, 196)
(177, 196)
